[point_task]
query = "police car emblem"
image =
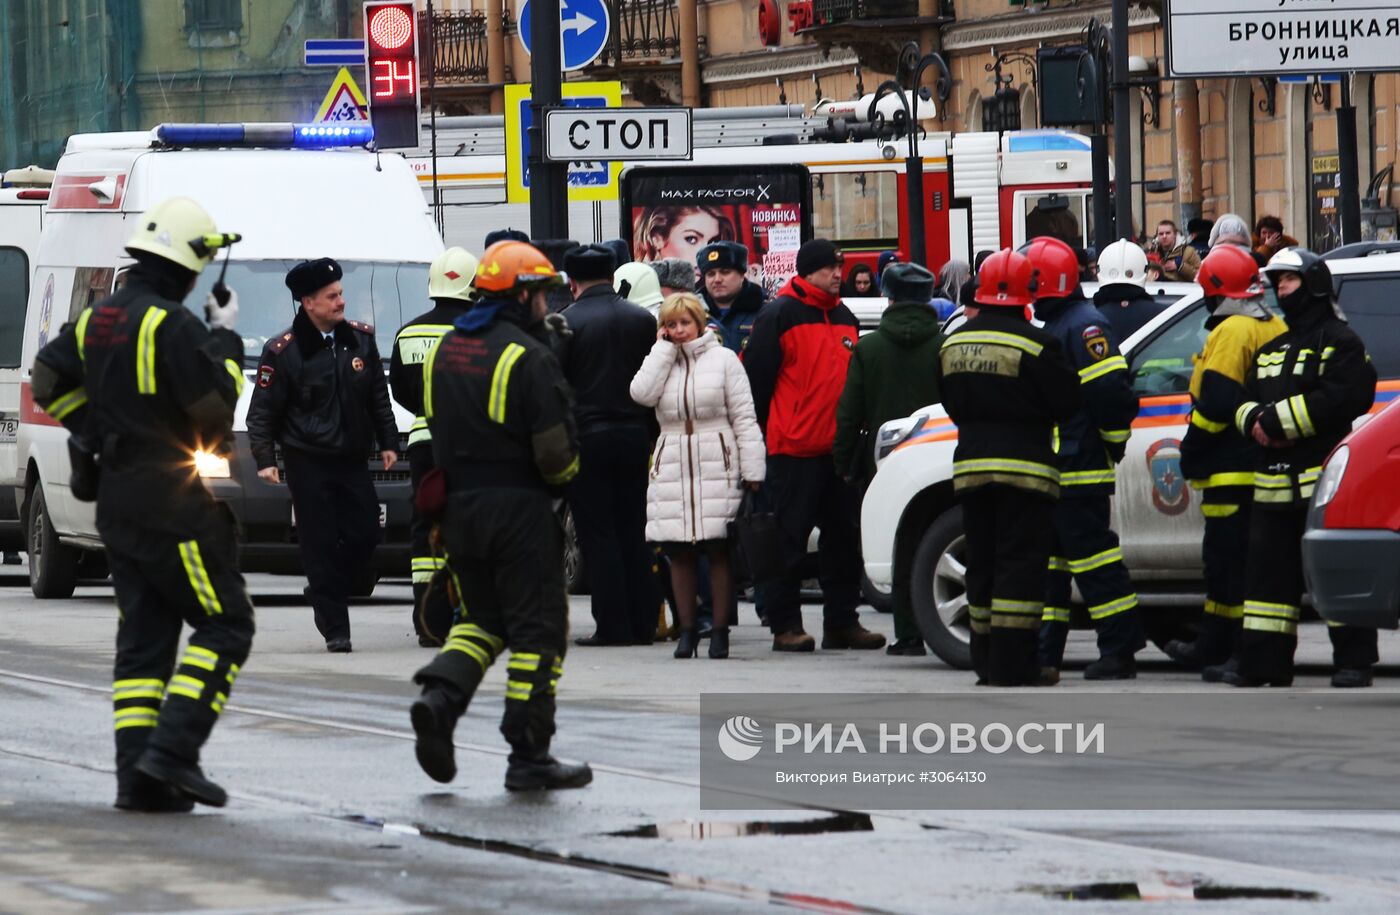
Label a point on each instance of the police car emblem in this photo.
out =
(1095, 342)
(265, 373)
(357, 364)
(1170, 494)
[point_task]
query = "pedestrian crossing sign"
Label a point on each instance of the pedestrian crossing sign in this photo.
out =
(344, 101)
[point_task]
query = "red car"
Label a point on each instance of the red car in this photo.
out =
(1351, 551)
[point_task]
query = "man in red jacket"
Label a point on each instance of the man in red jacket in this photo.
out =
(796, 360)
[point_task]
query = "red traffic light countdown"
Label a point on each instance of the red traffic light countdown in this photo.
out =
(391, 66)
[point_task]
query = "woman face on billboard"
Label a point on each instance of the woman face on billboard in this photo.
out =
(679, 231)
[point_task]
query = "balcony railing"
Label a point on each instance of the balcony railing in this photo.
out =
(456, 44)
(643, 30)
(832, 12)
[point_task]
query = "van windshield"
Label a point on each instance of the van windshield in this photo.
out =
(383, 294)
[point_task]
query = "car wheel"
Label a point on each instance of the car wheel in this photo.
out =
(574, 578)
(938, 590)
(53, 566)
(880, 600)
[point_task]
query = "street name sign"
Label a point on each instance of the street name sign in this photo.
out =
(1274, 37)
(617, 134)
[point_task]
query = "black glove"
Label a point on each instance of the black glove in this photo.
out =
(86, 472)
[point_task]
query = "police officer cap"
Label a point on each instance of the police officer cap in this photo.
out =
(590, 262)
(309, 277)
(723, 255)
(907, 283)
(496, 235)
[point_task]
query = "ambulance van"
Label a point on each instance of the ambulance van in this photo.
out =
(294, 192)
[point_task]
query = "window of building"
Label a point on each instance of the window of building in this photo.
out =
(14, 297)
(214, 14)
(856, 209)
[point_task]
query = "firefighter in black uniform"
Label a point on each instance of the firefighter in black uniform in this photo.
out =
(1215, 458)
(450, 287)
(322, 396)
(1087, 447)
(1307, 386)
(503, 435)
(149, 394)
(1006, 383)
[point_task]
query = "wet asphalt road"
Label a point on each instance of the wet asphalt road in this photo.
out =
(330, 812)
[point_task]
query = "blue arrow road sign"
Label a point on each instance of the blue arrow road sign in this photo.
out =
(334, 52)
(581, 174)
(583, 29)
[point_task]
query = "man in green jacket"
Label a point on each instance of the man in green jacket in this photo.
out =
(893, 372)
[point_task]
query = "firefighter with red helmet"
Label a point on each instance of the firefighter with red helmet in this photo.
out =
(1088, 446)
(1006, 383)
(500, 414)
(1306, 388)
(1215, 458)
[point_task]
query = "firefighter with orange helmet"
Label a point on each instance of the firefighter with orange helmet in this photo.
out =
(1006, 383)
(1216, 458)
(503, 437)
(1087, 446)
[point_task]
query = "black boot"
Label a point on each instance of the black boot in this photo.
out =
(434, 716)
(689, 643)
(183, 776)
(1217, 672)
(541, 771)
(1352, 678)
(142, 794)
(1112, 667)
(719, 643)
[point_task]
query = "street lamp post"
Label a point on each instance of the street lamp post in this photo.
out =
(914, 163)
(1090, 82)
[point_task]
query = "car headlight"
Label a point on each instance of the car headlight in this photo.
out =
(211, 466)
(894, 433)
(1332, 476)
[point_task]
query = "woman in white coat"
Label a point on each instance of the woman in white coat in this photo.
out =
(709, 450)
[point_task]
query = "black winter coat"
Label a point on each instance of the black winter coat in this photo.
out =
(609, 339)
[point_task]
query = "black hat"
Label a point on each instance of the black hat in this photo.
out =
(620, 249)
(907, 283)
(1198, 225)
(591, 262)
(496, 235)
(722, 255)
(815, 255)
(308, 277)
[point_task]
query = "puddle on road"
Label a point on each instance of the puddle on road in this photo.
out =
(721, 829)
(1134, 892)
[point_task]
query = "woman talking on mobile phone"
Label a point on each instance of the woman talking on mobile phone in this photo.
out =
(709, 450)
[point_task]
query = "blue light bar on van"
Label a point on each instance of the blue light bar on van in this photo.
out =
(275, 136)
(1047, 141)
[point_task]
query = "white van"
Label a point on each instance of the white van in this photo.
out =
(21, 219)
(293, 195)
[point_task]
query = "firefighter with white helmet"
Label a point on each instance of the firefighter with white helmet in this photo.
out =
(1122, 295)
(501, 417)
(450, 286)
(143, 385)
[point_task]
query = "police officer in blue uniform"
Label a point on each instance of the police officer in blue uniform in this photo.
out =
(732, 299)
(323, 397)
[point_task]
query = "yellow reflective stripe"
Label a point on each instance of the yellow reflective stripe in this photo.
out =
(181, 685)
(202, 658)
(134, 718)
(557, 667)
(1225, 611)
(565, 475)
(471, 650)
(1273, 480)
(472, 630)
(979, 618)
(156, 690)
(1000, 465)
(1055, 615)
(1113, 607)
(1285, 419)
(217, 704)
(1087, 477)
(235, 370)
(1099, 369)
(428, 378)
(524, 661)
(1115, 436)
(1015, 621)
(517, 695)
(500, 382)
(1235, 478)
(1207, 425)
(80, 331)
(992, 336)
(1058, 564)
(146, 350)
(1264, 608)
(61, 407)
(1242, 414)
(1270, 624)
(1218, 510)
(1096, 561)
(1299, 405)
(199, 578)
(1018, 607)
(431, 331)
